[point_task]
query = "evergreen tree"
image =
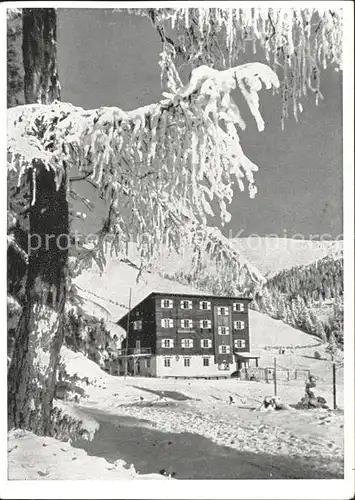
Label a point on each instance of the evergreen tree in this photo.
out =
(331, 348)
(319, 330)
(187, 146)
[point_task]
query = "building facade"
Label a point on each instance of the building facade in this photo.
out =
(186, 335)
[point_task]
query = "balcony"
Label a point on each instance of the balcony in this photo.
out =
(134, 352)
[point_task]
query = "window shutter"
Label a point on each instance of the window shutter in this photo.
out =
(167, 322)
(224, 349)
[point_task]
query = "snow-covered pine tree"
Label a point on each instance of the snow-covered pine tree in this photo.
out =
(164, 163)
(175, 141)
(319, 330)
(332, 347)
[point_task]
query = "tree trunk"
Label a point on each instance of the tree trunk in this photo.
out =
(15, 94)
(41, 83)
(39, 336)
(32, 373)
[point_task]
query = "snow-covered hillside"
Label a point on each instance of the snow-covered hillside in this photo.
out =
(271, 255)
(109, 293)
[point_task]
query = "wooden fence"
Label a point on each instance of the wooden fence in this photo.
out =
(267, 374)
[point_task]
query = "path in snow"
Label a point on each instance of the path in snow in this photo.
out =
(189, 455)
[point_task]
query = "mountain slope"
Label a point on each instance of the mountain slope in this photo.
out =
(272, 255)
(308, 297)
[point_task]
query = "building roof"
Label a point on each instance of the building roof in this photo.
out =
(168, 294)
(247, 355)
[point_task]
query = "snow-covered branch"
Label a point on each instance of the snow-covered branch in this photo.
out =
(297, 42)
(154, 164)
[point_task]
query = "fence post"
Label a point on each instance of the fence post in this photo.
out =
(288, 375)
(275, 383)
(334, 388)
(296, 374)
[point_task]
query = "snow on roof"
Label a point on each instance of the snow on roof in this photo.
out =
(205, 295)
(247, 355)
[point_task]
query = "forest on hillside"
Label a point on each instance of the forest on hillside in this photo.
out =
(307, 297)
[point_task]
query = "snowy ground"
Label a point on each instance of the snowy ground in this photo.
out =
(188, 429)
(191, 431)
(34, 457)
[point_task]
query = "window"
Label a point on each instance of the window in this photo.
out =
(187, 362)
(167, 304)
(187, 343)
(238, 307)
(167, 363)
(223, 330)
(148, 363)
(186, 304)
(223, 311)
(205, 306)
(206, 362)
(224, 349)
(239, 343)
(186, 323)
(137, 325)
(206, 343)
(167, 343)
(205, 323)
(239, 325)
(223, 366)
(167, 323)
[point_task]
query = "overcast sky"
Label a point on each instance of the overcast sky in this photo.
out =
(107, 58)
